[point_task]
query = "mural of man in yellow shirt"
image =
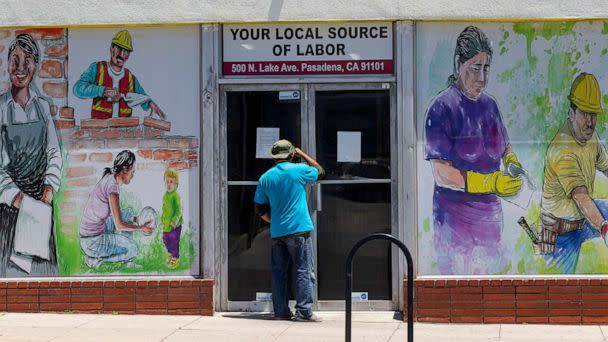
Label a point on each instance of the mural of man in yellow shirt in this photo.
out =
(569, 215)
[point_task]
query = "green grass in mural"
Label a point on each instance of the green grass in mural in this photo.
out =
(521, 266)
(151, 259)
(593, 258)
(506, 269)
(67, 242)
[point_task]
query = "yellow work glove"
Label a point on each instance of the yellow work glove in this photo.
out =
(492, 183)
(511, 158)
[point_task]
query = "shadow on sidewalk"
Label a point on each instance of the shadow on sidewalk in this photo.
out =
(250, 315)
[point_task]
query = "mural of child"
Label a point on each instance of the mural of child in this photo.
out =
(106, 230)
(171, 217)
(465, 143)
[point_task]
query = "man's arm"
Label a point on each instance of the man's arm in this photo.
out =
(265, 217)
(263, 210)
(311, 162)
(52, 178)
(9, 193)
(585, 204)
(86, 87)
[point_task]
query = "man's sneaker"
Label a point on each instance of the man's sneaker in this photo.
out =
(288, 317)
(312, 318)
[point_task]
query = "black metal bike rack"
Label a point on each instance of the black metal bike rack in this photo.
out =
(410, 282)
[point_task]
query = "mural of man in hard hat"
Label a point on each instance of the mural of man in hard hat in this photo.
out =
(569, 216)
(113, 88)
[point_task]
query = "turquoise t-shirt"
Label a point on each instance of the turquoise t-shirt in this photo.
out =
(283, 187)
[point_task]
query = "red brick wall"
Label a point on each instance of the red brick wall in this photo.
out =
(179, 297)
(557, 300)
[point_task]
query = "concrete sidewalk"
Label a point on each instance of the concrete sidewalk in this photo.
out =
(368, 326)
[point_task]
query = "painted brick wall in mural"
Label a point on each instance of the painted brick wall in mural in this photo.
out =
(99, 155)
(512, 122)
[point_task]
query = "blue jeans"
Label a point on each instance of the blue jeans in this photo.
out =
(568, 246)
(112, 246)
(295, 248)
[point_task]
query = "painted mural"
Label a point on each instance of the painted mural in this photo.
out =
(512, 132)
(95, 177)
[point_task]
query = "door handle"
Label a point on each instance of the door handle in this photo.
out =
(319, 199)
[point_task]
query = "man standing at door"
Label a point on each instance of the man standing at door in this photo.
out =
(280, 199)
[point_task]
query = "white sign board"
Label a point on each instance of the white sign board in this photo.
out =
(308, 49)
(265, 137)
(349, 147)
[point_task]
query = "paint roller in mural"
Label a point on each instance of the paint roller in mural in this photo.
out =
(466, 141)
(113, 88)
(30, 169)
(569, 215)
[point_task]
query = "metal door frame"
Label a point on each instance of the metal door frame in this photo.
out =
(222, 289)
(308, 124)
(396, 280)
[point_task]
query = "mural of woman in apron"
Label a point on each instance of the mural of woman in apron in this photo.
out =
(30, 167)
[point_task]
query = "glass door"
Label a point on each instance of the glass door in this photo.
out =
(351, 129)
(255, 117)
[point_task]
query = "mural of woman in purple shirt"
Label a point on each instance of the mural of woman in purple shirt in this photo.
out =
(465, 143)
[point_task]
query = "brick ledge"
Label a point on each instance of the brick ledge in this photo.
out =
(549, 300)
(126, 296)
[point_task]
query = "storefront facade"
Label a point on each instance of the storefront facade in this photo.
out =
(369, 99)
(331, 89)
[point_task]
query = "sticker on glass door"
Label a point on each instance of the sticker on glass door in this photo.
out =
(289, 95)
(263, 296)
(360, 296)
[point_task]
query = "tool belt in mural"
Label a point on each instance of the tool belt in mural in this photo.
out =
(552, 227)
(102, 108)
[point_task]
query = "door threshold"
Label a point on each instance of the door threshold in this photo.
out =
(357, 316)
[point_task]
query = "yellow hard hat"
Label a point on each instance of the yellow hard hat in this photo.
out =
(123, 40)
(585, 93)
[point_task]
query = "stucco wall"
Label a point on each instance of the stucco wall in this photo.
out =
(62, 12)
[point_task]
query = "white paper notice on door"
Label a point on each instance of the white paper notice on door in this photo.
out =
(265, 137)
(349, 147)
